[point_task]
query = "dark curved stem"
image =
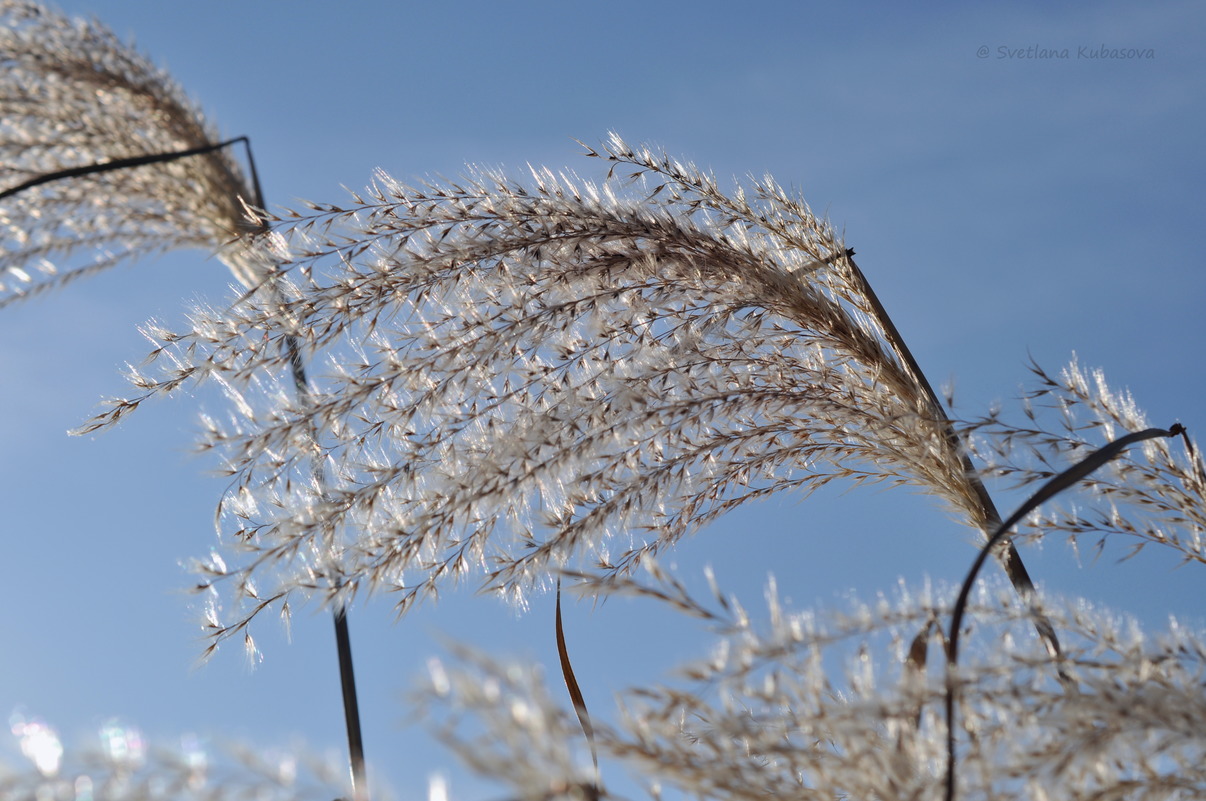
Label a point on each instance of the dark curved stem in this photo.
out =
(571, 684)
(137, 161)
(1053, 487)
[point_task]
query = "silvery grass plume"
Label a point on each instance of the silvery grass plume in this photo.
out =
(72, 96)
(121, 764)
(525, 372)
(847, 704)
(1155, 497)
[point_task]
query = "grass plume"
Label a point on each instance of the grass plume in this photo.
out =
(74, 96)
(520, 372)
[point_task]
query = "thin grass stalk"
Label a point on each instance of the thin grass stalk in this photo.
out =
(351, 705)
(121, 164)
(343, 637)
(1011, 560)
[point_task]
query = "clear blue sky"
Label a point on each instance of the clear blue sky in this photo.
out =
(1004, 205)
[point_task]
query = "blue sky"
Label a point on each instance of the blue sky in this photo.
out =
(1004, 206)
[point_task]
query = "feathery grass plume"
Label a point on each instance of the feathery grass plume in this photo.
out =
(1155, 496)
(833, 705)
(521, 372)
(73, 95)
(122, 765)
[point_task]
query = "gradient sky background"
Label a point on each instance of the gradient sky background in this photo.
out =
(1003, 207)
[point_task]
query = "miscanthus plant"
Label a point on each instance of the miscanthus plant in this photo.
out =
(74, 99)
(519, 382)
(528, 380)
(103, 158)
